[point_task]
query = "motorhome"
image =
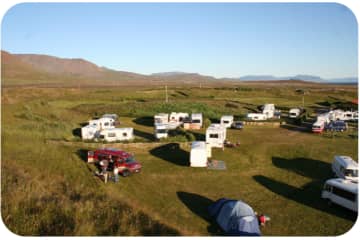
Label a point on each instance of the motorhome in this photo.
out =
(269, 110)
(294, 112)
(161, 118)
(256, 116)
(342, 192)
(345, 167)
(216, 135)
(88, 132)
(103, 123)
(116, 134)
(227, 120)
(318, 126)
(198, 154)
(161, 131)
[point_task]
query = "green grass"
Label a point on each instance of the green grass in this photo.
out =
(278, 171)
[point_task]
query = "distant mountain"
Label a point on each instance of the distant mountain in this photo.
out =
(166, 74)
(343, 80)
(302, 77)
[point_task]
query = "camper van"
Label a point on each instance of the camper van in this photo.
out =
(318, 126)
(345, 167)
(294, 112)
(198, 154)
(103, 123)
(256, 116)
(161, 131)
(342, 192)
(88, 132)
(269, 110)
(216, 135)
(196, 120)
(161, 118)
(227, 121)
(116, 134)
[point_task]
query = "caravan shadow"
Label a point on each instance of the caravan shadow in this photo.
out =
(172, 153)
(144, 135)
(145, 121)
(83, 154)
(302, 128)
(199, 206)
(76, 132)
(308, 195)
(198, 136)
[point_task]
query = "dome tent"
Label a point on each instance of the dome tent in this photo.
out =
(235, 217)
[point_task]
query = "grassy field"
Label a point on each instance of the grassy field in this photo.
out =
(48, 188)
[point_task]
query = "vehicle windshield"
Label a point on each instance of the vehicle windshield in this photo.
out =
(130, 159)
(161, 131)
(351, 173)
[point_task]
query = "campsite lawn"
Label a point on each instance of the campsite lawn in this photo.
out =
(48, 188)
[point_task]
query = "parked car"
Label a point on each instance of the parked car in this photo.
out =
(237, 125)
(338, 126)
(125, 162)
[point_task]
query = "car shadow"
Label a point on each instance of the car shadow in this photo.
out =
(145, 121)
(172, 153)
(144, 135)
(199, 206)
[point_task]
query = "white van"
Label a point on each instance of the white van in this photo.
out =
(345, 167)
(342, 192)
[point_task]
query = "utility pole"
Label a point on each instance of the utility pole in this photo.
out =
(166, 94)
(303, 98)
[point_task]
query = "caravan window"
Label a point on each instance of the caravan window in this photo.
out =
(106, 124)
(344, 194)
(124, 134)
(327, 188)
(196, 121)
(111, 135)
(351, 173)
(226, 122)
(214, 135)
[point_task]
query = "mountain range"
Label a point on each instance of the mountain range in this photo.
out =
(30, 69)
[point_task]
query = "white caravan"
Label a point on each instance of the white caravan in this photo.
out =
(161, 131)
(216, 135)
(256, 116)
(227, 120)
(110, 115)
(342, 192)
(117, 134)
(349, 115)
(161, 118)
(345, 167)
(178, 117)
(197, 120)
(88, 132)
(337, 115)
(269, 110)
(294, 112)
(198, 154)
(103, 123)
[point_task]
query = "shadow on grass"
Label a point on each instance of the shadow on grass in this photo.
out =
(83, 154)
(76, 132)
(303, 128)
(199, 206)
(172, 153)
(145, 121)
(198, 136)
(144, 135)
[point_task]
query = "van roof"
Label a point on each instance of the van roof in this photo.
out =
(351, 186)
(347, 161)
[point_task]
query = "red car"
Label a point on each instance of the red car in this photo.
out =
(123, 161)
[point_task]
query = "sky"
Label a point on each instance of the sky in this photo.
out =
(217, 39)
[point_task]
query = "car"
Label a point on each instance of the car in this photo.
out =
(237, 125)
(115, 158)
(338, 126)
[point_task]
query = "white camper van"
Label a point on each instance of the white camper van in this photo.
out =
(116, 134)
(342, 192)
(197, 120)
(103, 123)
(294, 112)
(256, 116)
(216, 135)
(198, 154)
(345, 167)
(88, 132)
(161, 131)
(227, 120)
(161, 118)
(269, 110)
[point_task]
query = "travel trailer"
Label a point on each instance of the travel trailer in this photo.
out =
(216, 135)
(294, 112)
(256, 116)
(178, 117)
(88, 132)
(318, 126)
(161, 131)
(161, 118)
(269, 110)
(337, 115)
(350, 115)
(342, 192)
(196, 120)
(117, 134)
(227, 120)
(103, 123)
(110, 115)
(198, 154)
(345, 167)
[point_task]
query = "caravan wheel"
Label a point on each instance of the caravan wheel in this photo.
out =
(126, 173)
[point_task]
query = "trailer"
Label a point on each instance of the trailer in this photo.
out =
(103, 123)
(161, 130)
(216, 135)
(294, 112)
(161, 118)
(227, 120)
(269, 110)
(117, 134)
(195, 121)
(178, 117)
(256, 116)
(88, 132)
(198, 154)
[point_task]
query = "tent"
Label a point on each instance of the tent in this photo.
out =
(235, 217)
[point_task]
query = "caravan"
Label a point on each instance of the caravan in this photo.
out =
(345, 167)
(103, 123)
(196, 120)
(269, 110)
(256, 116)
(198, 154)
(116, 134)
(216, 135)
(178, 117)
(227, 120)
(161, 131)
(161, 118)
(321, 121)
(88, 132)
(294, 112)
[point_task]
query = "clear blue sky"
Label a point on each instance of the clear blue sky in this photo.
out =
(222, 40)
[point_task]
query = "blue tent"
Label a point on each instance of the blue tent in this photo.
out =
(235, 217)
